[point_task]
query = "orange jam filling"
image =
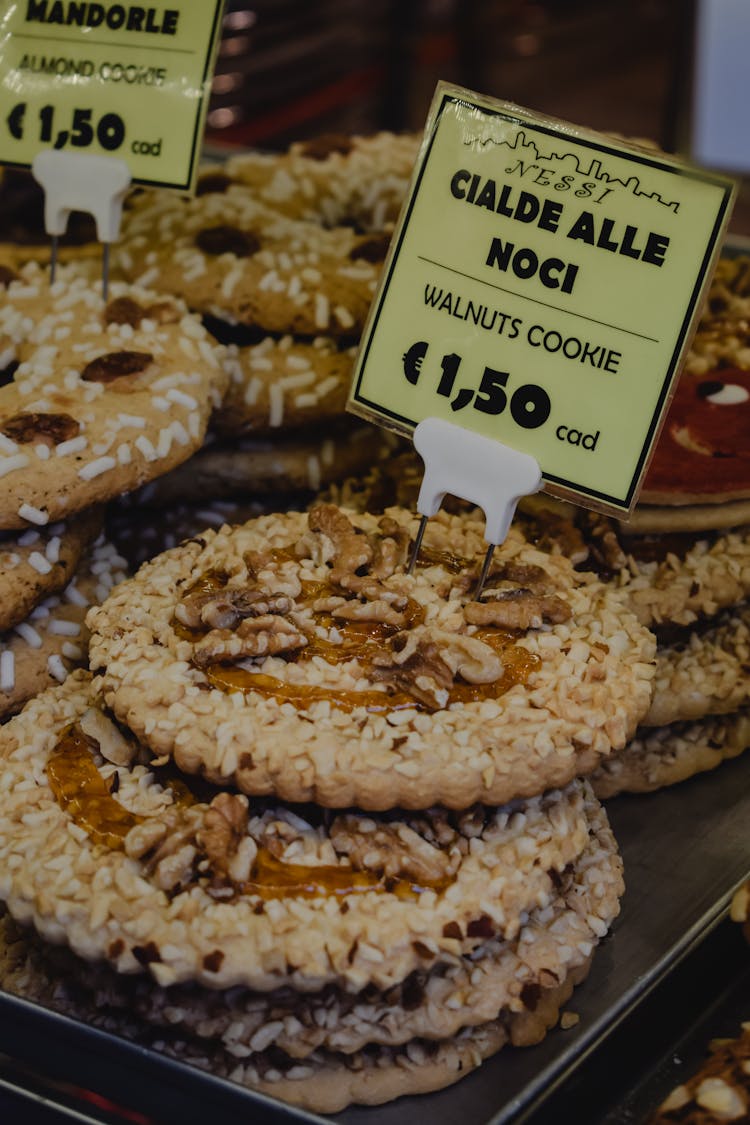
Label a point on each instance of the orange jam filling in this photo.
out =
(82, 792)
(271, 878)
(361, 641)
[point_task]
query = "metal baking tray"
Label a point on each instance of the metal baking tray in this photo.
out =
(685, 851)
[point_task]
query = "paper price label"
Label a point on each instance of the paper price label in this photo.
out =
(540, 290)
(116, 79)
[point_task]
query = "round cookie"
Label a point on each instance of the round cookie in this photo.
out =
(265, 467)
(709, 674)
(284, 382)
(40, 561)
(230, 257)
(434, 1004)
(653, 520)
(334, 180)
(225, 893)
(386, 685)
(104, 397)
(678, 580)
(663, 756)
(40, 651)
(326, 1082)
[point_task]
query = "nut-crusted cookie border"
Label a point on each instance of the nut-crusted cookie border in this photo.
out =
(589, 692)
(104, 903)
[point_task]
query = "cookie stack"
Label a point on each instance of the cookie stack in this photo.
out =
(318, 824)
(281, 256)
(684, 559)
(95, 399)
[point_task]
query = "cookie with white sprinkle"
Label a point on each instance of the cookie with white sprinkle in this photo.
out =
(104, 398)
(259, 468)
(40, 561)
(296, 656)
(230, 257)
(283, 382)
(52, 641)
(333, 180)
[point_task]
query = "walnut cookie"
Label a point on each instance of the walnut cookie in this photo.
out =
(325, 1081)
(295, 656)
(224, 892)
(104, 397)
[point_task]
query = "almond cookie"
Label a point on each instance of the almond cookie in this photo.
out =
(104, 397)
(295, 656)
(718, 1091)
(333, 180)
(42, 650)
(230, 257)
(662, 756)
(284, 382)
(226, 893)
(259, 467)
(326, 1081)
(708, 674)
(39, 562)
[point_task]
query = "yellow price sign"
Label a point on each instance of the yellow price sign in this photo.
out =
(116, 79)
(541, 289)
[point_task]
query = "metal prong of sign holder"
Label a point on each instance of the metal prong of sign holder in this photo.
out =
(75, 181)
(478, 469)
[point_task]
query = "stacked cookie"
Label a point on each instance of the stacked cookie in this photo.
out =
(281, 256)
(684, 559)
(95, 398)
(316, 823)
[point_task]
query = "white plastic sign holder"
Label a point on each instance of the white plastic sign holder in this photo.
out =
(82, 182)
(478, 469)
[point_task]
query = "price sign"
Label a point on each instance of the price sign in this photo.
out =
(540, 290)
(116, 79)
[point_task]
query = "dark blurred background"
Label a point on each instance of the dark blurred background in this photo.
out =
(288, 69)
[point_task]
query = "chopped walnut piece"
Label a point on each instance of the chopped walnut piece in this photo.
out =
(389, 850)
(531, 577)
(258, 636)
(41, 429)
(377, 610)
(605, 551)
(468, 657)
(113, 745)
(518, 609)
(352, 549)
(224, 609)
(391, 549)
(223, 837)
(414, 665)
